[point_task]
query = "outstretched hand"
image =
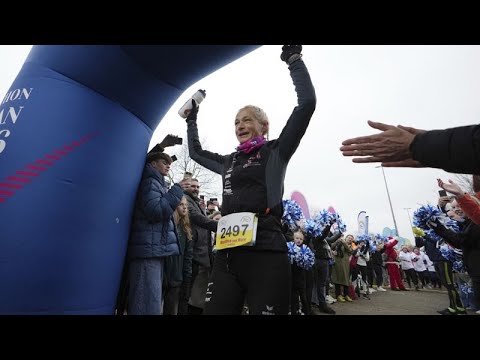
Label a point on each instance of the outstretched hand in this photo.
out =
(451, 188)
(390, 147)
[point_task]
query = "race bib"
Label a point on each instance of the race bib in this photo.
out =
(239, 229)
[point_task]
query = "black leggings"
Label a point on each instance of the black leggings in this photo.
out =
(378, 275)
(444, 272)
(411, 276)
(263, 278)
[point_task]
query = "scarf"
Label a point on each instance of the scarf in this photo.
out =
(251, 145)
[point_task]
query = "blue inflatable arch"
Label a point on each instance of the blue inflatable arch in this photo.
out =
(74, 131)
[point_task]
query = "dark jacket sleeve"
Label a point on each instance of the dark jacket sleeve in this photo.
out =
(317, 241)
(454, 150)
(212, 161)
(297, 124)
(453, 238)
(334, 237)
(200, 220)
(187, 260)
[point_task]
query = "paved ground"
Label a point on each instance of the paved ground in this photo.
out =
(423, 302)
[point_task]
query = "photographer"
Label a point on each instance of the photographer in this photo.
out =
(213, 206)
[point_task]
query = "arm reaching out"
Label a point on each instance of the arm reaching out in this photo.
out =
(391, 147)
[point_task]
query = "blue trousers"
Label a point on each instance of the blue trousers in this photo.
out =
(145, 293)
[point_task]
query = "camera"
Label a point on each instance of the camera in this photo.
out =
(213, 199)
(442, 193)
(174, 158)
(178, 140)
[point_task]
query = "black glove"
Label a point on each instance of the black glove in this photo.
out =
(291, 53)
(432, 224)
(192, 115)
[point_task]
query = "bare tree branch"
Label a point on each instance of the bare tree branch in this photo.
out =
(210, 182)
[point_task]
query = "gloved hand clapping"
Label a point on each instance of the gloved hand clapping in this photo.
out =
(291, 53)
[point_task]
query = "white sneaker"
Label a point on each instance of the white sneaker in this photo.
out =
(330, 299)
(477, 312)
(381, 289)
(371, 290)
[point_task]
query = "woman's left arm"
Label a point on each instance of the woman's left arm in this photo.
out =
(297, 124)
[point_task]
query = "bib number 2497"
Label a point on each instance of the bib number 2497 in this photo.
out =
(239, 229)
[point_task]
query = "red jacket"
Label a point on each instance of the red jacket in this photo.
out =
(471, 206)
(390, 250)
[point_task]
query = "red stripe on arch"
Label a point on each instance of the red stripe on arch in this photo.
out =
(27, 173)
(35, 167)
(15, 186)
(2, 199)
(61, 152)
(54, 157)
(44, 162)
(6, 192)
(19, 179)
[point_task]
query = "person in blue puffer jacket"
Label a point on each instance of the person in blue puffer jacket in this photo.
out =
(153, 235)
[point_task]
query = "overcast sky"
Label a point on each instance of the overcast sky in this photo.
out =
(428, 87)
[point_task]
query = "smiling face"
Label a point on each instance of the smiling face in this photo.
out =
(250, 122)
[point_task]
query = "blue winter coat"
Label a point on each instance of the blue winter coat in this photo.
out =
(154, 233)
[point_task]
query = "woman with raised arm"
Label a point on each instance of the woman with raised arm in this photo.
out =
(253, 265)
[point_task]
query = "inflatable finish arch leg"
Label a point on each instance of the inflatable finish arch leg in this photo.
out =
(74, 131)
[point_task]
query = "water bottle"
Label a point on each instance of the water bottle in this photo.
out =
(187, 107)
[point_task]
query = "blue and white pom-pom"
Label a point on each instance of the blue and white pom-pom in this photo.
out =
(291, 251)
(306, 258)
(340, 223)
(300, 255)
(426, 213)
(329, 217)
(466, 289)
(292, 214)
(324, 217)
(455, 256)
(362, 237)
(432, 213)
(380, 238)
(313, 228)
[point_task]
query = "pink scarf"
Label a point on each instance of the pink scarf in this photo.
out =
(252, 144)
